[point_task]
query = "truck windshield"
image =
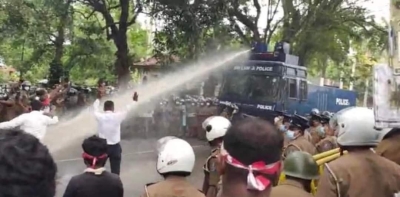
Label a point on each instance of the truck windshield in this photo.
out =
(261, 88)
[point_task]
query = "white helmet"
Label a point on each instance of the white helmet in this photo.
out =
(175, 155)
(355, 126)
(162, 141)
(205, 122)
(216, 127)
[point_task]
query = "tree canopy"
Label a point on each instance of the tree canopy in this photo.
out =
(91, 39)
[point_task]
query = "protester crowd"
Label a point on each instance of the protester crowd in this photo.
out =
(246, 159)
(60, 99)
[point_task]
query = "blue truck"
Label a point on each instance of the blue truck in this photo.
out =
(271, 82)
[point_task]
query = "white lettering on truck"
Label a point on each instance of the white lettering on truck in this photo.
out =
(260, 68)
(266, 107)
(343, 102)
(254, 68)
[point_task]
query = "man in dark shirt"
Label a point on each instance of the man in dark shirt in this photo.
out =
(95, 181)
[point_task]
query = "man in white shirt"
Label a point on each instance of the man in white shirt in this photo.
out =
(34, 122)
(109, 128)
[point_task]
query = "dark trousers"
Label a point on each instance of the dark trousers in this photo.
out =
(114, 154)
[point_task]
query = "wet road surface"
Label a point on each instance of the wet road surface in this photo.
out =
(137, 168)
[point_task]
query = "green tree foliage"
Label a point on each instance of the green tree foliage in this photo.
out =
(191, 28)
(65, 36)
(118, 16)
(239, 14)
(90, 39)
(43, 23)
(325, 26)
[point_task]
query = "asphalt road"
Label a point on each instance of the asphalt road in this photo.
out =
(138, 164)
(138, 153)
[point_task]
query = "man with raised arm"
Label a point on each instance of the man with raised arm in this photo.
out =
(34, 122)
(109, 128)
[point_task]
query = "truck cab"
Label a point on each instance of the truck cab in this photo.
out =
(273, 81)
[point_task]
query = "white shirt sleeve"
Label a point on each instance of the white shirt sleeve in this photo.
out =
(51, 120)
(96, 108)
(14, 123)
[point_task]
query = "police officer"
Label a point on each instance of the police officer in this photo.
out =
(215, 127)
(300, 169)
(296, 134)
(329, 141)
(175, 162)
(282, 122)
(204, 112)
(389, 146)
(316, 129)
(361, 172)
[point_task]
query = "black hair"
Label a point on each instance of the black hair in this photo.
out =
(40, 92)
(252, 140)
(108, 105)
(27, 168)
(36, 105)
(95, 146)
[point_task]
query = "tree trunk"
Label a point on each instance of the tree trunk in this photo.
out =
(56, 67)
(302, 57)
(123, 61)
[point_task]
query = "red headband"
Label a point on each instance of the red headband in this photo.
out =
(259, 182)
(94, 159)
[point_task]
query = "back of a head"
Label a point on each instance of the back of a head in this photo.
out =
(252, 147)
(26, 169)
(36, 105)
(40, 92)
(108, 105)
(252, 140)
(94, 146)
(95, 151)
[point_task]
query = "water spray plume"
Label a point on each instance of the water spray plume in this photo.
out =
(70, 134)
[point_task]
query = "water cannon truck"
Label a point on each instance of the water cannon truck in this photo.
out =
(271, 82)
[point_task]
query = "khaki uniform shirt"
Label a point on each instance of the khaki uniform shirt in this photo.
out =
(212, 177)
(172, 187)
(360, 174)
(299, 144)
(290, 188)
(390, 148)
